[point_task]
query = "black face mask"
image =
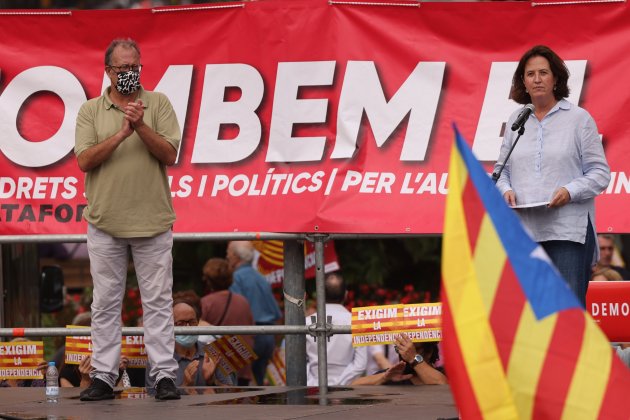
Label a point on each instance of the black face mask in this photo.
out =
(128, 82)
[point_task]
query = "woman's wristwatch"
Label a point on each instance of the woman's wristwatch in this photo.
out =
(416, 361)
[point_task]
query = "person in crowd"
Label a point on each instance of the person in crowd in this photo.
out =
(124, 141)
(345, 363)
(70, 375)
(82, 319)
(416, 366)
(188, 295)
(193, 298)
(559, 160)
(604, 269)
(223, 307)
(254, 287)
(380, 357)
(195, 367)
(606, 274)
(623, 352)
(26, 383)
(79, 375)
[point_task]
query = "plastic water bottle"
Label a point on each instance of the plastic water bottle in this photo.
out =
(52, 383)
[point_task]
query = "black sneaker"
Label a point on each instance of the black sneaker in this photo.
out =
(97, 391)
(166, 390)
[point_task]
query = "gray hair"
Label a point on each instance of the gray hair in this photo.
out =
(125, 43)
(244, 250)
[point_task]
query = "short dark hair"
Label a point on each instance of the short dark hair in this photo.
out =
(558, 69)
(335, 288)
(124, 42)
(429, 350)
(608, 236)
(190, 298)
(217, 274)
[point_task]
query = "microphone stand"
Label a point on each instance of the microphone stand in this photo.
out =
(497, 175)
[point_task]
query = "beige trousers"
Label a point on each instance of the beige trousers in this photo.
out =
(153, 262)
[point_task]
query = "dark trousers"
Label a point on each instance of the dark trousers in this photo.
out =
(264, 346)
(573, 261)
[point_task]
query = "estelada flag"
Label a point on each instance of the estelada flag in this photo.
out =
(271, 260)
(517, 343)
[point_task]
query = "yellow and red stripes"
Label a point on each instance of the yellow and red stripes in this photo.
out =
(472, 359)
(502, 360)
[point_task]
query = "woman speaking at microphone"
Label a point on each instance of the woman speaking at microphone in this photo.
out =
(556, 169)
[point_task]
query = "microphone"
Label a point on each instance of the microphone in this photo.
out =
(519, 125)
(522, 117)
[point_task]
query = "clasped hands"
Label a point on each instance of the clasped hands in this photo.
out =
(134, 117)
(207, 370)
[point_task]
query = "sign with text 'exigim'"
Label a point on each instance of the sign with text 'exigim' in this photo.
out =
(230, 353)
(380, 324)
(19, 359)
(79, 347)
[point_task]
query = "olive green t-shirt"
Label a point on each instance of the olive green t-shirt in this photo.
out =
(128, 195)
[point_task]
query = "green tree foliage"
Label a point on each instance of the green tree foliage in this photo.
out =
(188, 261)
(391, 263)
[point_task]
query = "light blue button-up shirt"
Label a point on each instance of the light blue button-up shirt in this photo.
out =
(562, 150)
(251, 284)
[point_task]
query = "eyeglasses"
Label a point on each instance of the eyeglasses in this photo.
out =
(187, 323)
(126, 67)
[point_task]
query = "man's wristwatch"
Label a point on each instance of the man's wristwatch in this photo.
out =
(416, 361)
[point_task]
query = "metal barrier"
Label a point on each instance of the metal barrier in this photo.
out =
(311, 329)
(321, 329)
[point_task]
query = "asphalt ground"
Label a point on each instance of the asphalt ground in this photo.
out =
(364, 402)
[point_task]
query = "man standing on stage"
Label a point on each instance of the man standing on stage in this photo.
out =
(124, 140)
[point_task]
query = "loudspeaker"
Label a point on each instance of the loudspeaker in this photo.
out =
(51, 289)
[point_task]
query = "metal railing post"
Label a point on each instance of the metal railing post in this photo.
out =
(322, 333)
(295, 345)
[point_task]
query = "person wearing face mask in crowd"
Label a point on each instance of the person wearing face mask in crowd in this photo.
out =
(124, 140)
(195, 367)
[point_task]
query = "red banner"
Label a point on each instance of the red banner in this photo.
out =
(302, 115)
(608, 302)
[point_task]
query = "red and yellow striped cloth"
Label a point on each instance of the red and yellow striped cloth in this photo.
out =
(517, 343)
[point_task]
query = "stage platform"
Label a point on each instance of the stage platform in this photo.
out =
(365, 402)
